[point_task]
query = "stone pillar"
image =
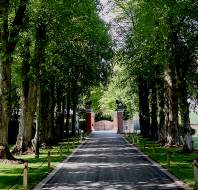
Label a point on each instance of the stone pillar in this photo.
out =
(88, 127)
(120, 121)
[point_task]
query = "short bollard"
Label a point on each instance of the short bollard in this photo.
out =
(68, 147)
(133, 139)
(49, 161)
(137, 139)
(25, 175)
(195, 166)
(144, 146)
(154, 150)
(61, 151)
(168, 155)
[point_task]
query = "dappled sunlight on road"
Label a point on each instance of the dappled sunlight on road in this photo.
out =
(107, 162)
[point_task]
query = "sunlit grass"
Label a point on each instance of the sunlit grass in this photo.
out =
(195, 140)
(11, 174)
(180, 162)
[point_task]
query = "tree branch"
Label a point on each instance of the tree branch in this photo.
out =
(16, 26)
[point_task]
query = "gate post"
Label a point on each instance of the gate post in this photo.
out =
(89, 118)
(120, 111)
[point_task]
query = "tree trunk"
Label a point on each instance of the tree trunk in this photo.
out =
(74, 107)
(28, 105)
(68, 113)
(4, 104)
(161, 98)
(8, 40)
(154, 112)
(39, 59)
(63, 118)
(172, 105)
(50, 118)
(58, 113)
(28, 108)
(44, 115)
(38, 121)
(182, 64)
(5, 75)
(144, 107)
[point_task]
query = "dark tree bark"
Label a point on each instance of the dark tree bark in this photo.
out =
(51, 118)
(27, 104)
(59, 126)
(8, 40)
(74, 108)
(44, 114)
(154, 112)
(172, 105)
(68, 113)
(161, 98)
(39, 59)
(144, 115)
(183, 60)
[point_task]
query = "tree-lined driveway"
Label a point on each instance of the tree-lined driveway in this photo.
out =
(106, 161)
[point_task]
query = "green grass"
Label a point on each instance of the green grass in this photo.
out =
(11, 174)
(180, 165)
(195, 140)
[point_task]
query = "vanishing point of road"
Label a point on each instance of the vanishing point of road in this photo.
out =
(107, 162)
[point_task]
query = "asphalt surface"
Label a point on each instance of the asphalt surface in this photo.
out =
(106, 161)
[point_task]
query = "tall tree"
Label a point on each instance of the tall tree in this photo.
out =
(9, 36)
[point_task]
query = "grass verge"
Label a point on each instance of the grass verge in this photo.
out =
(11, 175)
(180, 162)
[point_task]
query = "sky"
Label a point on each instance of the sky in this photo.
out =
(118, 29)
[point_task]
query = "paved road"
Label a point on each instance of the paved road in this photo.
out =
(107, 162)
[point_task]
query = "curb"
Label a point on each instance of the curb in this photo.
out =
(54, 171)
(177, 181)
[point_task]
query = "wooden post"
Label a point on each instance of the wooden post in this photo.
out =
(25, 175)
(168, 159)
(73, 143)
(133, 140)
(154, 151)
(137, 139)
(81, 138)
(68, 148)
(68, 145)
(61, 151)
(49, 161)
(144, 146)
(195, 165)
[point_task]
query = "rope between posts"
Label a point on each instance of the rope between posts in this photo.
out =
(40, 164)
(181, 166)
(16, 180)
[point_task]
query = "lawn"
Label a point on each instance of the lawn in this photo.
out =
(180, 164)
(11, 175)
(195, 140)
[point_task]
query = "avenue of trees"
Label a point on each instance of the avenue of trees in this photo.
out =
(51, 54)
(160, 56)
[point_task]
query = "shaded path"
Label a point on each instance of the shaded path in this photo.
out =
(107, 162)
